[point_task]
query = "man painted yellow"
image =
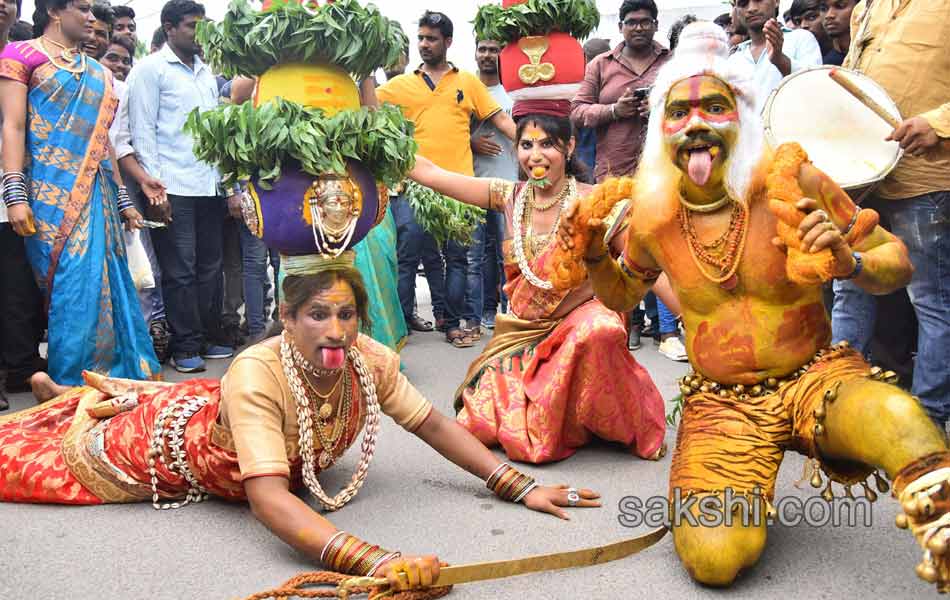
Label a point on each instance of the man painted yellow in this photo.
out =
(746, 235)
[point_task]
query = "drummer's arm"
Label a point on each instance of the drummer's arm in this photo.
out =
(885, 263)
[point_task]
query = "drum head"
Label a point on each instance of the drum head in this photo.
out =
(842, 136)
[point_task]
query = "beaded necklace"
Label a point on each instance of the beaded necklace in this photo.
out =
(725, 252)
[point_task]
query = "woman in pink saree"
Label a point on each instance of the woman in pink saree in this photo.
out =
(557, 371)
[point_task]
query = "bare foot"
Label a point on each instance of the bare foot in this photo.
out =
(44, 388)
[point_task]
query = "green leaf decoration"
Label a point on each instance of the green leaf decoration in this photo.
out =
(443, 217)
(676, 410)
(256, 143)
(577, 18)
(248, 42)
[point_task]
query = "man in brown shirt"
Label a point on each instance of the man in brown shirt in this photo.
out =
(904, 45)
(608, 100)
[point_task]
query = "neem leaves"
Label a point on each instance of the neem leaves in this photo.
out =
(248, 42)
(255, 143)
(443, 217)
(577, 18)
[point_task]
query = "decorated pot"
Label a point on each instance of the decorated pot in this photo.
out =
(304, 214)
(548, 67)
(318, 86)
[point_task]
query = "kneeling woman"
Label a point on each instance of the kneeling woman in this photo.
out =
(557, 370)
(286, 409)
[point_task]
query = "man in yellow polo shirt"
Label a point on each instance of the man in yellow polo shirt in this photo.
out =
(441, 101)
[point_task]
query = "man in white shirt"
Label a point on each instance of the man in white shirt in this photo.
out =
(118, 59)
(163, 88)
(773, 52)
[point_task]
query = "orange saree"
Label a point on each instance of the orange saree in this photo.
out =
(58, 453)
(545, 386)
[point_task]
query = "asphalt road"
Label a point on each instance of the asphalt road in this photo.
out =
(417, 502)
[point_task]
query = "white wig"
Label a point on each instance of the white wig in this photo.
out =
(704, 50)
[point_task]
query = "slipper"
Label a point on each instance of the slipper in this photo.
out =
(459, 338)
(417, 323)
(474, 332)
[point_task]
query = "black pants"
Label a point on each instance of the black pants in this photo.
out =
(190, 251)
(22, 317)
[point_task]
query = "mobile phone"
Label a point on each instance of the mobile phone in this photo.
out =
(642, 93)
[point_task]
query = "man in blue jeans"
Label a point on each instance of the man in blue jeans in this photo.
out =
(494, 157)
(163, 88)
(899, 45)
(414, 244)
(438, 97)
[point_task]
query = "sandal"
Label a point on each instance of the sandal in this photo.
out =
(417, 323)
(459, 338)
(474, 332)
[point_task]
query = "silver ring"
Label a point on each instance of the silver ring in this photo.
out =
(572, 497)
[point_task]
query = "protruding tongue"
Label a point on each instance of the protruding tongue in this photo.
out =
(700, 166)
(333, 358)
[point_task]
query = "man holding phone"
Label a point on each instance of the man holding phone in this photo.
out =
(613, 96)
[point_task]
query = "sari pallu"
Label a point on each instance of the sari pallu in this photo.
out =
(376, 262)
(544, 387)
(78, 252)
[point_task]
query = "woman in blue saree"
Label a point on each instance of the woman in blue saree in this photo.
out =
(61, 195)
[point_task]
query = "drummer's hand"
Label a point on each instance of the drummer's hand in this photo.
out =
(775, 41)
(409, 572)
(817, 232)
(916, 136)
(550, 499)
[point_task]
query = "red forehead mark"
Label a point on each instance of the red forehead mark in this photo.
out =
(671, 126)
(694, 84)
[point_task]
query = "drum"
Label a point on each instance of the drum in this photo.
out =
(843, 137)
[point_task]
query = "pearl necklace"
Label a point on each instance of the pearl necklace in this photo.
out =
(519, 237)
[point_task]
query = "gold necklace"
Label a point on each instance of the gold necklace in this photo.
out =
(66, 54)
(326, 409)
(340, 424)
(702, 208)
(537, 242)
(565, 190)
(518, 234)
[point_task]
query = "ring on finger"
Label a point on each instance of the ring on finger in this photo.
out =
(572, 497)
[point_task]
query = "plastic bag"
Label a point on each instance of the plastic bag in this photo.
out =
(139, 266)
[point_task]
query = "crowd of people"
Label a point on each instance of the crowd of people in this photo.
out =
(117, 152)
